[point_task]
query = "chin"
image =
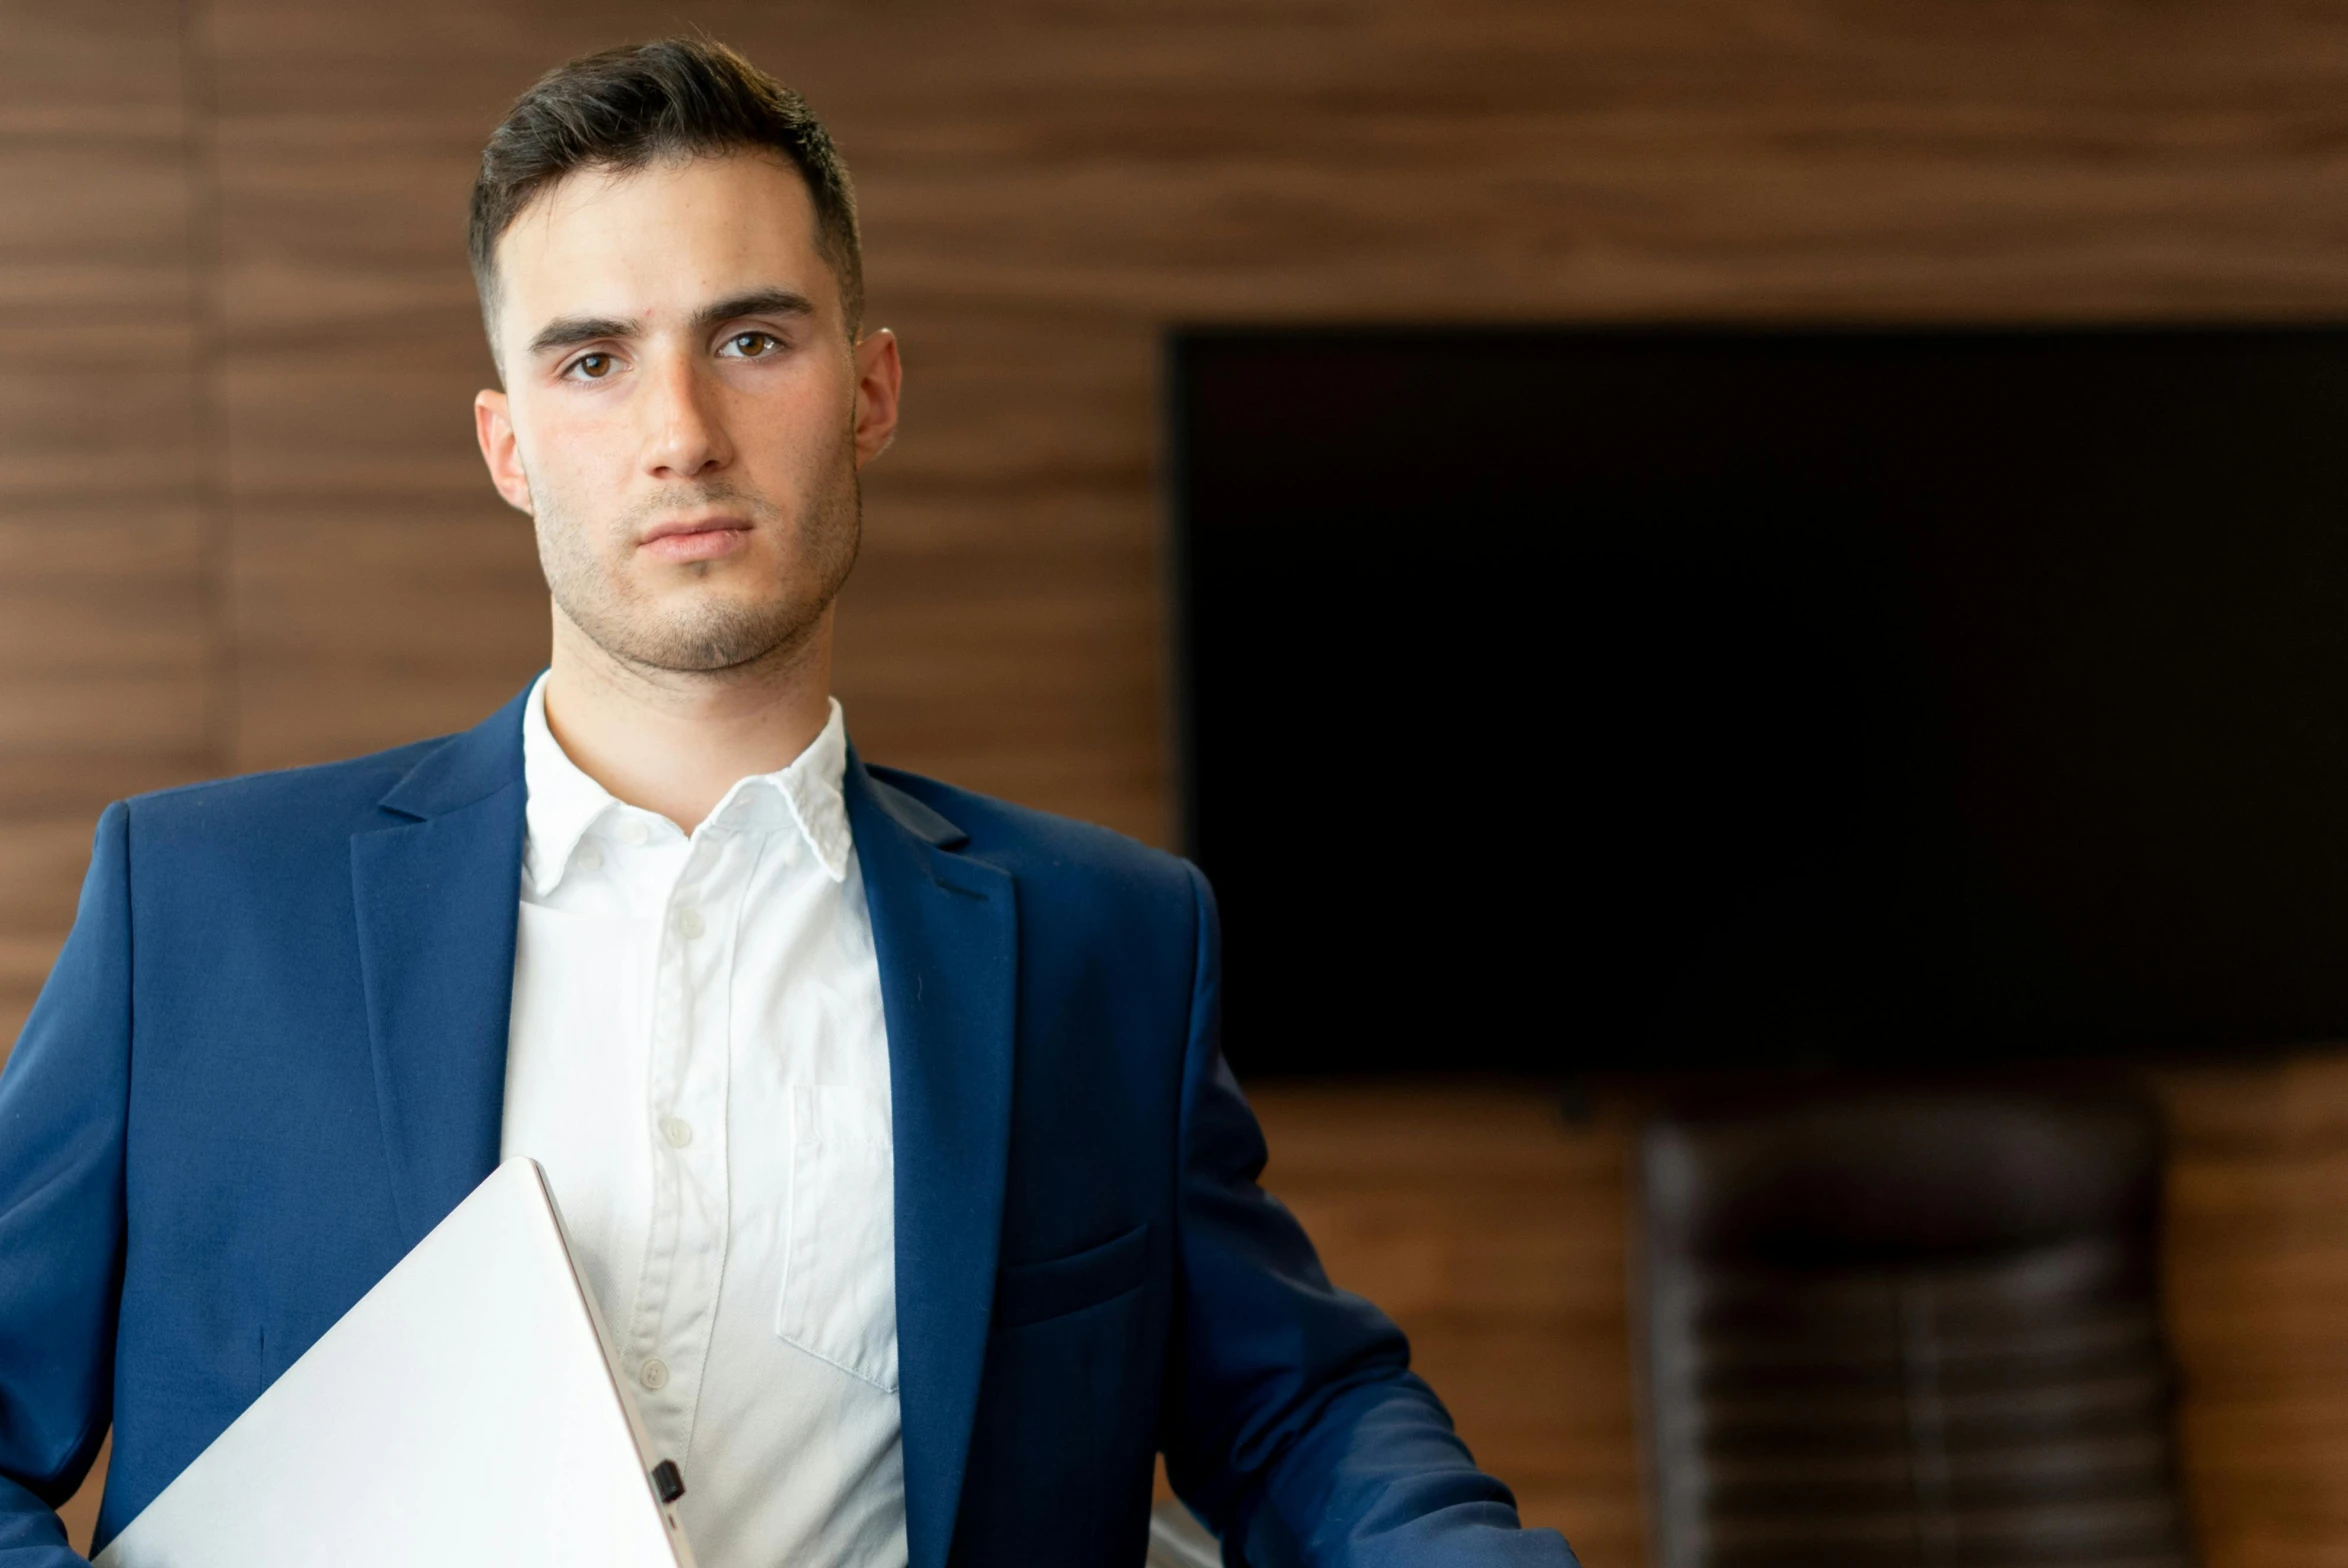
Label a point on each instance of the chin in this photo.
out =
(721, 635)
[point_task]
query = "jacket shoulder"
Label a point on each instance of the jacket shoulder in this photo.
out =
(1039, 846)
(335, 797)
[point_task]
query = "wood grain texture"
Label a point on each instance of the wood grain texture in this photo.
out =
(1497, 1235)
(1047, 186)
(2258, 1305)
(1494, 1234)
(108, 677)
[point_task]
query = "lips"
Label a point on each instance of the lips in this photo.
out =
(705, 539)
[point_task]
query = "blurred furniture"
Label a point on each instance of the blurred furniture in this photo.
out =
(1908, 1327)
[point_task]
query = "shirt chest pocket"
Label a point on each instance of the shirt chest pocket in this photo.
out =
(838, 1300)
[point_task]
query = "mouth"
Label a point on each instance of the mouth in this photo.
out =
(684, 540)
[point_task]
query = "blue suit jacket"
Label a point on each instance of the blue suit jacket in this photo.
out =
(272, 1056)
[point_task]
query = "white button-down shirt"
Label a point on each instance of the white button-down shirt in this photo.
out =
(698, 1058)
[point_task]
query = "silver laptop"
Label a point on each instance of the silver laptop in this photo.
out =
(464, 1414)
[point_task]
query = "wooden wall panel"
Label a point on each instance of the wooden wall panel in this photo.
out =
(1047, 186)
(1495, 1234)
(2258, 1307)
(380, 590)
(1498, 1236)
(107, 538)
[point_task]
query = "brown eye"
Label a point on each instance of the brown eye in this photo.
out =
(750, 345)
(594, 366)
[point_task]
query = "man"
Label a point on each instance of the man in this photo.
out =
(890, 1119)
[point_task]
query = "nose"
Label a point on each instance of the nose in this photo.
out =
(686, 433)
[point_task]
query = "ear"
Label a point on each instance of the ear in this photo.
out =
(879, 376)
(493, 426)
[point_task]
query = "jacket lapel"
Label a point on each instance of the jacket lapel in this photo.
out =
(437, 889)
(945, 926)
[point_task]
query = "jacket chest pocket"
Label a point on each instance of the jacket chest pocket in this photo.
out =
(838, 1300)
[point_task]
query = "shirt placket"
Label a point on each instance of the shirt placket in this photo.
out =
(675, 1309)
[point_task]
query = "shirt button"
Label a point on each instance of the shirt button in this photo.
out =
(588, 858)
(654, 1374)
(689, 924)
(633, 831)
(790, 852)
(676, 1130)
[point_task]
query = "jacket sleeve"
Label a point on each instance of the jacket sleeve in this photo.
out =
(1294, 1424)
(63, 1101)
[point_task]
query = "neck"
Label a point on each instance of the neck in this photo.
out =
(675, 741)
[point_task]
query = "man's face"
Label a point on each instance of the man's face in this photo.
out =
(684, 414)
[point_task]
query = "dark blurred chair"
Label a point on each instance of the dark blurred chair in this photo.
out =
(1909, 1328)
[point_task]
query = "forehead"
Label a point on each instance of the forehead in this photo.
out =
(670, 235)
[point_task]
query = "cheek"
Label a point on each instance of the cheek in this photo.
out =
(797, 436)
(788, 407)
(572, 449)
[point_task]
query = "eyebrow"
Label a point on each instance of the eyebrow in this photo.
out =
(570, 331)
(758, 302)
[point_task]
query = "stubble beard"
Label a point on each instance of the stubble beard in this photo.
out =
(716, 632)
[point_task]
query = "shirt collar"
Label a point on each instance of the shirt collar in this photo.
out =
(807, 797)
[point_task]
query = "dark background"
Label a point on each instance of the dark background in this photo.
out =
(1589, 702)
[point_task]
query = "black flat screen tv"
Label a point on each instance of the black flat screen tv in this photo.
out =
(1589, 702)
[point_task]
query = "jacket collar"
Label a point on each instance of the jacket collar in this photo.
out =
(466, 768)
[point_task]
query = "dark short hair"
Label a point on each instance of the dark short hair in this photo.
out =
(621, 109)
